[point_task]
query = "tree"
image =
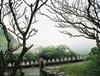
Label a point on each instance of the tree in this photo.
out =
(51, 52)
(62, 48)
(82, 16)
(21, 19)
(31, 56)
(47, 52)
(94, 51)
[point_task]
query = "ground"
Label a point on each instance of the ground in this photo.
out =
(31, 72)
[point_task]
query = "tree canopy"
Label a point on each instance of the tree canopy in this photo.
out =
(59, 52)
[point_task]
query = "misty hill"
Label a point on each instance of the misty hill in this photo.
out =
(3, 41)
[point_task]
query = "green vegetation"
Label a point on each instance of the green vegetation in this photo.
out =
(31, 56)
(94, 65)
(87, 68)
(49, 52)
(59, 52)
(3, 42)
(75, 69)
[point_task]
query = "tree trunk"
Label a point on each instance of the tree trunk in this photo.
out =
(24, 50)
(14, 70)
(98, 44)
(1, 64)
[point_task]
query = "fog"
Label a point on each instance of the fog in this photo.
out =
(48, 35)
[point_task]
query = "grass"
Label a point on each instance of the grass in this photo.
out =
(76, 69)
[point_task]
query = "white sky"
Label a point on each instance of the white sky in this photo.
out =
(48, 34)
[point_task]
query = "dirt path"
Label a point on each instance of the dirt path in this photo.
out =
(31, 72)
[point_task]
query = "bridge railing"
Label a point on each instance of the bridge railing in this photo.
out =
(51, 61)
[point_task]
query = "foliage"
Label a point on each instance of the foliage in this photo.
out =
(72, 54)
(75, 69)
(94, 51)
(88, 68)
(3, 41)
(56, 52)
(31, 56)
(49, 52)
(46, 53)
(94, 65)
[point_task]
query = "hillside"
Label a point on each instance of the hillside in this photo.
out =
(3, 41)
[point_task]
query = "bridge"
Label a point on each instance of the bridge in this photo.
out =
(28, 64)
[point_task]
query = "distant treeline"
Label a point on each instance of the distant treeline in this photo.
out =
(46, 53)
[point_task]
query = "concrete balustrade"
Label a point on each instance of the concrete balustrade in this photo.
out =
(51, 61)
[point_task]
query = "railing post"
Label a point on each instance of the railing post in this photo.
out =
(1, 63)
(41, 66)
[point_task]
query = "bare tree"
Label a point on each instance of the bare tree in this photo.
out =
(21, 16)
(81, 15)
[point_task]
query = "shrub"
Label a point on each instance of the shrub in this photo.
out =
(94, 65)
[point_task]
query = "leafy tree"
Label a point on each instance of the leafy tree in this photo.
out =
(31, 56)
(56, 52)
(94, 51)
(62, 48)
(72, 54)
(46, 53)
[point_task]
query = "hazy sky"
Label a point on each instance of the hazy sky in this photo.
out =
(48, 34)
